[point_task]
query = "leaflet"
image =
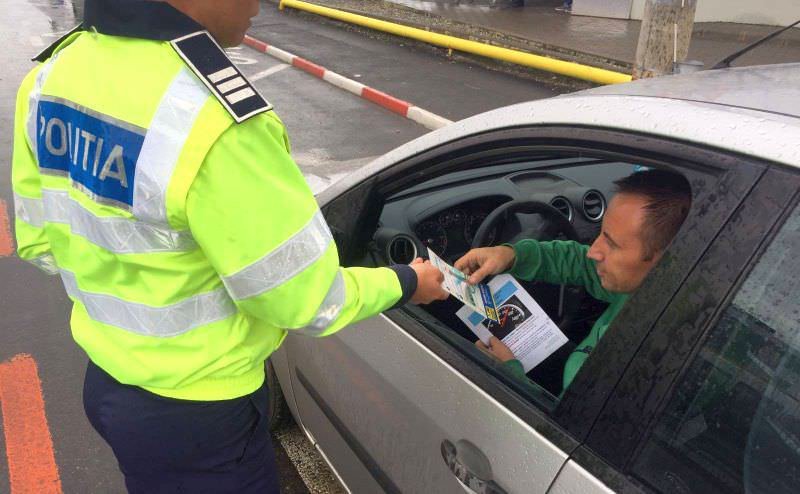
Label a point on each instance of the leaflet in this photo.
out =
(522, 324)
(477, 297)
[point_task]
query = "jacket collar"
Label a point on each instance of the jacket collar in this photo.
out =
(145, 19)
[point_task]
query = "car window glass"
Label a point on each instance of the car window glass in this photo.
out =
(733, 423)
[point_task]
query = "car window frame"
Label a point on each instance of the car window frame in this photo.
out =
(626, 422)
(733, 173)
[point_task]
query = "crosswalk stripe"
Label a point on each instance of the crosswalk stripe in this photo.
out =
(268, 72)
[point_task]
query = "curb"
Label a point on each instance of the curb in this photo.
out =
(421, 116)
(453, 27)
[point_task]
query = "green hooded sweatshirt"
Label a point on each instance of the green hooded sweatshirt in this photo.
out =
(565, 262)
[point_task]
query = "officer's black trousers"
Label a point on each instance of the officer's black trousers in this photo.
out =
(165, 445)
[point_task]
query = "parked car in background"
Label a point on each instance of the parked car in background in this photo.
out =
(695, 386)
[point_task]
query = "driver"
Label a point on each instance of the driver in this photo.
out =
(643, 216)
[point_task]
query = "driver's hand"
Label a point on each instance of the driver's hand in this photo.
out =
(429, 283)
(480, 263)
(496, 349)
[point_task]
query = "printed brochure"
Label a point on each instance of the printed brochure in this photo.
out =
(477, 297)
(522, 324)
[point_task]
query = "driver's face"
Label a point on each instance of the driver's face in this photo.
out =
(618, 251)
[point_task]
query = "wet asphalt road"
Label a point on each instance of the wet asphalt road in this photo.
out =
(333, 132)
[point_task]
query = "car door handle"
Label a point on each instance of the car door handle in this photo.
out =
(470, 466)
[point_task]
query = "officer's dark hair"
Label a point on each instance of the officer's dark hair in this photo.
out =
(669, 199)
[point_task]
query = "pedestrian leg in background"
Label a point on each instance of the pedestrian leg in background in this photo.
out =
(164, 445)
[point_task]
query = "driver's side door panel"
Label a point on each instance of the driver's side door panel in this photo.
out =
(381, 405)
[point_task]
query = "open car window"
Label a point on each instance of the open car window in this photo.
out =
(444, 215)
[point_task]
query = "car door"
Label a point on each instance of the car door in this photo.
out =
(710, 402)
(398, 405)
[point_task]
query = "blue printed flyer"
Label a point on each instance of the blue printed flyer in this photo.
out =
(477, 297)
(522, 325)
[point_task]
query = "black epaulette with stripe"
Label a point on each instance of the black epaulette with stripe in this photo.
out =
(208, 60)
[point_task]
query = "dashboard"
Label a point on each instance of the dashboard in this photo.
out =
(444, 213)
(453, 230)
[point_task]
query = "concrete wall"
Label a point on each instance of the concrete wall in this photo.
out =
(619, 9)
(769, 12)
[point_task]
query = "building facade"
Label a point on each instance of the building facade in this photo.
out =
(771, 13)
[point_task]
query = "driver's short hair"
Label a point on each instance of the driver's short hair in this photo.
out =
(669, 199)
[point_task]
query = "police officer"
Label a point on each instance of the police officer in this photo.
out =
(156, 181)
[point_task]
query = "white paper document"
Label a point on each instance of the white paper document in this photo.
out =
(522, 324)
(477, 297)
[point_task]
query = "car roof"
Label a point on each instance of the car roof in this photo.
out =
(731, 109)
(767, 88)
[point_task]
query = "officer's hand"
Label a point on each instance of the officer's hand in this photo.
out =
(480, 263)
(496, 349)
(429, 283)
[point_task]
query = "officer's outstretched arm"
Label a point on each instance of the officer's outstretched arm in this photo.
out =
(32, 243)
(254, 217)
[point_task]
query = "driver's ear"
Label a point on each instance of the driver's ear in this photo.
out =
(653, 259)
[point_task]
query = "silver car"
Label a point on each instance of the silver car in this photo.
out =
(695, 386)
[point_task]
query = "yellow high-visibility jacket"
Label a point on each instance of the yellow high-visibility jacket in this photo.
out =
(164, 195)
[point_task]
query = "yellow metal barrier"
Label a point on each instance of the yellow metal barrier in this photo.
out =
(570, 69)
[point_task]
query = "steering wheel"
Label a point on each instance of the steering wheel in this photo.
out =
(501, 214)
(555, 223)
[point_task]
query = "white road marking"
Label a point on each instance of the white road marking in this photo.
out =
(268, 72)
(36, 41)
(236, 56)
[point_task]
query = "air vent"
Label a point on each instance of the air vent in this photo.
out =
(593, 205)
(401, 250)
(564, 206)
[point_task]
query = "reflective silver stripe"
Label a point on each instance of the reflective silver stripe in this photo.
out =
(283, 263)
(54, 173)
(329, 309)
(33, 103)
(46, 263)
(118, 235)
(55, 204)
(146, 320)
(166, 135)
(29, 210)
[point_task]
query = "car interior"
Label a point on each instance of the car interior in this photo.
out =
(544, 198)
